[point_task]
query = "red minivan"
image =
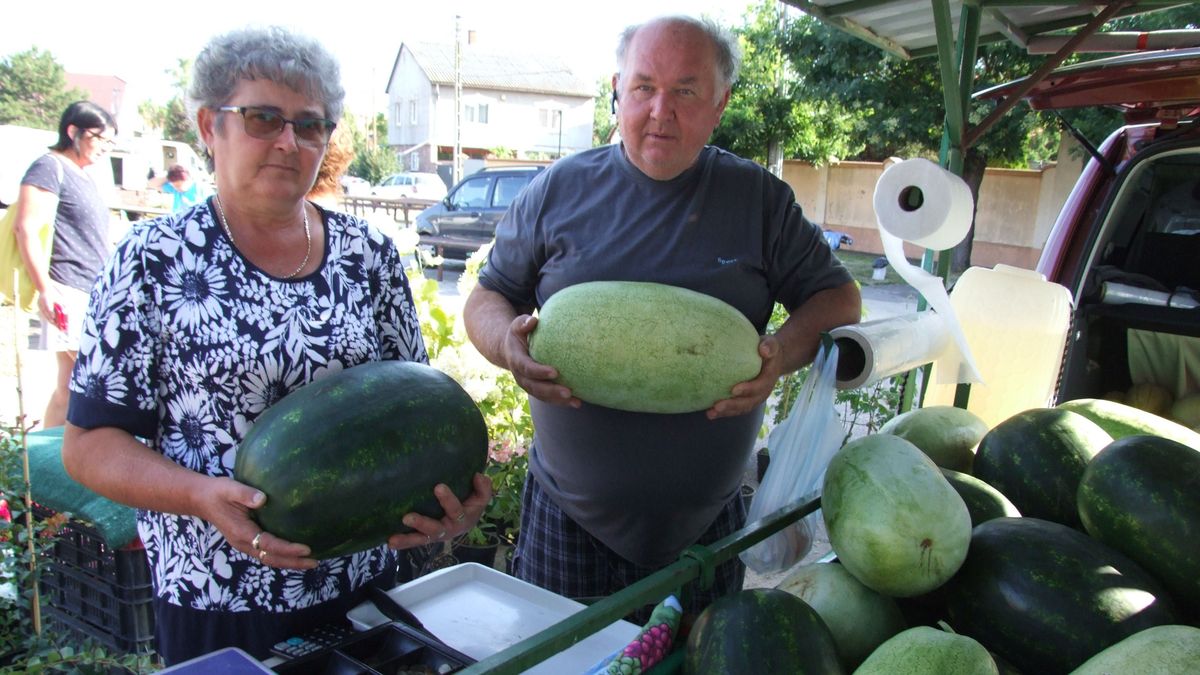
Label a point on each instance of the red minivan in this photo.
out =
(1127, 242)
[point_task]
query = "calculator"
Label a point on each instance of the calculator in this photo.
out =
(312, 641)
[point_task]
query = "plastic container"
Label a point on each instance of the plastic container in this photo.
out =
(1015, 323)
(92, 590)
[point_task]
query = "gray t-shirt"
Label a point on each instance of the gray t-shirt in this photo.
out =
(648, 485)
(81, 224)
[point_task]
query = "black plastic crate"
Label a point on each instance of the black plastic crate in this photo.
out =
(92, 590)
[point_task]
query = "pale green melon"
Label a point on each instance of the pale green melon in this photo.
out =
(859, 618)
(924, 650)
(893, 519)
(1162, 650)
(645, 347)
(946, 433)
(1186, 410)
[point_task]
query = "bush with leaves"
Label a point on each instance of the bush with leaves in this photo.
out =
(22, 648)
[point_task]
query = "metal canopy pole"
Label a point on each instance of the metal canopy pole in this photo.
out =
(956, 65)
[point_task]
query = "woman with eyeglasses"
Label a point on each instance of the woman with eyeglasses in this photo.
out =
(57, 189)
(205, 318)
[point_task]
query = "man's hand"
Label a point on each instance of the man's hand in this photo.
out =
(535, 378)
(748, 394)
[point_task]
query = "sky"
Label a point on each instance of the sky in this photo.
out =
(139, 41)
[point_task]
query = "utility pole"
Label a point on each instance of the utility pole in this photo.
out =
(775, 145)
(457, 101)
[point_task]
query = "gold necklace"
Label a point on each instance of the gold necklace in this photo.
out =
(307, 235)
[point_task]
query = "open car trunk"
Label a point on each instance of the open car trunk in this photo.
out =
(1127, 242)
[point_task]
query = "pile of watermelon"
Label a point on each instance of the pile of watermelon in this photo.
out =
(1063, 540)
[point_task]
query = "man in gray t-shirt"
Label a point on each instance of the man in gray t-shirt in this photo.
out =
(615, 495)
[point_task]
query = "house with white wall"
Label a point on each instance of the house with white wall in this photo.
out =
(532, 104)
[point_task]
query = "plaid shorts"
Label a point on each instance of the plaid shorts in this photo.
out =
(555, 553)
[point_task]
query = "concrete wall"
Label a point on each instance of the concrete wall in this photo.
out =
(1014, 214)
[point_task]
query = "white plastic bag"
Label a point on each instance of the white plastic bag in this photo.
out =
(801, 447)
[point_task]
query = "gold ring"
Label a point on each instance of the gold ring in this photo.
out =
(461, 516)
(262, 554)
(256, 541)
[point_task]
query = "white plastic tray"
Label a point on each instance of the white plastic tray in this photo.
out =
(480, 611)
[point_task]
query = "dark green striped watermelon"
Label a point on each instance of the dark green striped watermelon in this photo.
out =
(1036, 458)
(1141, 496)
(344, 458)
(1046, 597)
(760, 630)
(983, 501)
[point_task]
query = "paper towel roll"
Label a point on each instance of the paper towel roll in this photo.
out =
(918, 201)
(871, 351)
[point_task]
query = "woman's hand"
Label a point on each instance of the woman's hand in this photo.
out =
(228, 505)
(460, 516)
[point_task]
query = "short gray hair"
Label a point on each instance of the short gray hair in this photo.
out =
(725, 45)
(272, 53)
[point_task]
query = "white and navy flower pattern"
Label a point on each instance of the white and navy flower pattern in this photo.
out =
(186, 337)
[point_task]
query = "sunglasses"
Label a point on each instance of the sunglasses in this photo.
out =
(101, 138)
(266, 124)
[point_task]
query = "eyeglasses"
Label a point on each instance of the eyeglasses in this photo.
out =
(101, 138)
(266, 124)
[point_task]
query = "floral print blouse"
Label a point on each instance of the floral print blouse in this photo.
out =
(186, 343)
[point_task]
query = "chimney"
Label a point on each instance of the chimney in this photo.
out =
(470, 37)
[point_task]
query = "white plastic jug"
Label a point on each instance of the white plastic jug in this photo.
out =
(1016, 324)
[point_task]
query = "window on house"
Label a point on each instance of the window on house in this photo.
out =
(477, 113)
(549, 118)
(412, 112)
(397, 112)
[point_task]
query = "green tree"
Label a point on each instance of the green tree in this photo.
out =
(769, 106)
(33, 90)
(604, 121)
(172, 118)
(374, 164)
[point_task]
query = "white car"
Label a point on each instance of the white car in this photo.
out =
(355, 187)
(411, 186)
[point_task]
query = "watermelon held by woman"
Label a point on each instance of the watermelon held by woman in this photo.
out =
(344, 458)
(645, 347)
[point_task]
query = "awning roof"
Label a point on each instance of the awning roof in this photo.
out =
(906, 28)
(953, 30)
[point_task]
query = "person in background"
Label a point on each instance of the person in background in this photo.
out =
(178, 184)
(205, 318)
(57, 188)
(613, 496)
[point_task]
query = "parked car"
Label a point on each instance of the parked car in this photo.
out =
(354, 186)
(468, 215)
(1127, 241)
(411, 185)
